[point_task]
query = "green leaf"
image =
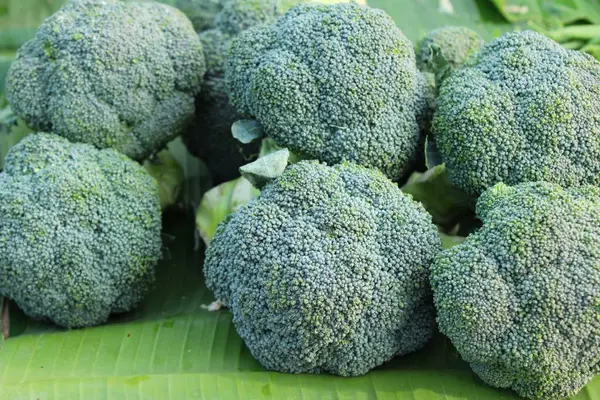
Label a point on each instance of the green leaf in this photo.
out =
(433, 157)
(246, 130)
(446, 204)
(19, 20)
(417, 17)
(266, 168)
(169, 175)
(221, 201)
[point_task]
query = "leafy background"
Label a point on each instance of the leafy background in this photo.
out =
(172, 347)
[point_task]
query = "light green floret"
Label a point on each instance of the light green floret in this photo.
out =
(520, 297)
(79, 231)
(332, 82)
(523, 109)
(110, 73)
(327, 270)
(455, 45)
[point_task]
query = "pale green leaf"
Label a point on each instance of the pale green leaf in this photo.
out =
(266, 168)
(221, 201)
(246, 130)
(168, 174)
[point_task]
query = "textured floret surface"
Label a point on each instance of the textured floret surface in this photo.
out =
(327, 270)
(110, 73)
(79, 230)
(520, 297)
(524, 109)
(334, 83)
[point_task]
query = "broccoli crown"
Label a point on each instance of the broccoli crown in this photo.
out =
(520, 297)
(523, 109)
(109, 73)
(327, 270)
(79, 230)
(331, 82)
(456, 44)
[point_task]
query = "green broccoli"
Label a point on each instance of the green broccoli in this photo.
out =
(446, 48)
(209, 136)
(523, 109)
(332, 82)
(326, 271)
(109, 73)
(520, 298)
(79, 230)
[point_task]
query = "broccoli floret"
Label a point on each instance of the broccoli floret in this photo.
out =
(520, 297)
(110, 73)
(79, 233)
(523, 109)
(447, 48)
(332, 82)
(326, 271)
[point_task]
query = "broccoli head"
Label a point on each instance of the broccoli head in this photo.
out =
(326, 271)
(454, 44)
(209, 136)
(79, 230)
(332, 82)
(111, 74)
(523, 109)
(520, 297)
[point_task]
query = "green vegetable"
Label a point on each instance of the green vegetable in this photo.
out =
(12, 130)
(79, 232)
(524, 109)
(110, 73)
(333, 82)
(326, 271)
(519, 298)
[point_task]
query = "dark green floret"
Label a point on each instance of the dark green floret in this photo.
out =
(110, 73)
(79, 231)
(332, 82)
(326, 271)
(523, 109)
(520, 297)
(209, 136)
